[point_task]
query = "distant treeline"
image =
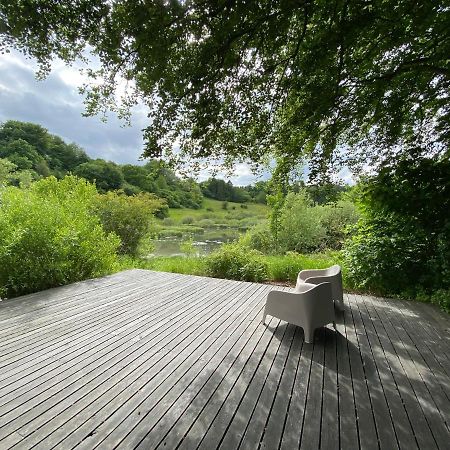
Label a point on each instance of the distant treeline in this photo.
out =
(37, 153)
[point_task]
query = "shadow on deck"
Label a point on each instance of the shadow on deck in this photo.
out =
(150, 360)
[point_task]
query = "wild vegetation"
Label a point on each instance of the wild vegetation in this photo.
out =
(402, 240)
(50, 237)
(37, 153)
(360, 85)
(390, 232)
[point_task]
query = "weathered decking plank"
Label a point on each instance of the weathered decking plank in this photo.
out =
(102, 377)
(145, 360)
(398, 414)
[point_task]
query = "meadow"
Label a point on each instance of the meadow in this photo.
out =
(207, 227)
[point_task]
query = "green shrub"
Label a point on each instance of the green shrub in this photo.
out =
(49, 236)
(190, 265)
(441, 298)
(187, 220)
(300, 227)
(337, 219)
(297, 225)
(402, 243)
(206, 223)
(260, 238)
(168, 221)
(130, 189)
(236, 262)
(129, 217)
(387, 255)
(188, 247)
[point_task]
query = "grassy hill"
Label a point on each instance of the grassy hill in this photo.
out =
(228, 217)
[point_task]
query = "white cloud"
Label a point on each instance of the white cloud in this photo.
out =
(56, 104)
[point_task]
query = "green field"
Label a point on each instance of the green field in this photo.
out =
(215, 217)
(213, 209)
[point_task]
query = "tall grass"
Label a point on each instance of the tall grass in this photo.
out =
(176, 264)
(287, 267)
(283, 268)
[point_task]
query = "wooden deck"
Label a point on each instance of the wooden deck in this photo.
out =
(153, 360)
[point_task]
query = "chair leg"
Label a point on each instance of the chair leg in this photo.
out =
(309, 335)
(263, 320)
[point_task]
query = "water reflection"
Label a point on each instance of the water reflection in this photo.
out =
(203, 243)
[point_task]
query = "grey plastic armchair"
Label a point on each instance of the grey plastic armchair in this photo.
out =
(331, 275)
(309, 306)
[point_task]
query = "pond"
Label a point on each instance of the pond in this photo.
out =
(204, 243)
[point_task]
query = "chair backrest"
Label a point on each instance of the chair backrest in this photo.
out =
(333, 270)
(338, 293)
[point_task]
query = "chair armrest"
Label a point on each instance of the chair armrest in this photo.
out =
(317, 279)
(304, 274)
(312, 306)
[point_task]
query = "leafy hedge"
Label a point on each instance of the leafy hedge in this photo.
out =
(402, 242)
(49, 236)
(129, 217)
(237, 262)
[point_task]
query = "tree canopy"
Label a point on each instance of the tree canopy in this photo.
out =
(244, 79)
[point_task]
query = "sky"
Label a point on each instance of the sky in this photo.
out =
(56, 104)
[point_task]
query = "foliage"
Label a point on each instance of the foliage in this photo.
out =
(156, 177)
(337, 219)
(49, 236)
(258, 191)
(300, 228)
(180, 231)
(105, 175)
(246, 78)
(386, 254)
(6, 169)
(129, 217)
(286, 267)
(441, 298)
(187, 220)
(260, 238)
(188, 247)
(322, 194)
(298, 225)
(237, 262)
(32, 147)
(222, 190)
(279, 268)
(402, 244)
(36, 153)
(190, 265)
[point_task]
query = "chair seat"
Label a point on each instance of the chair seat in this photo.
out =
(309, 306)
